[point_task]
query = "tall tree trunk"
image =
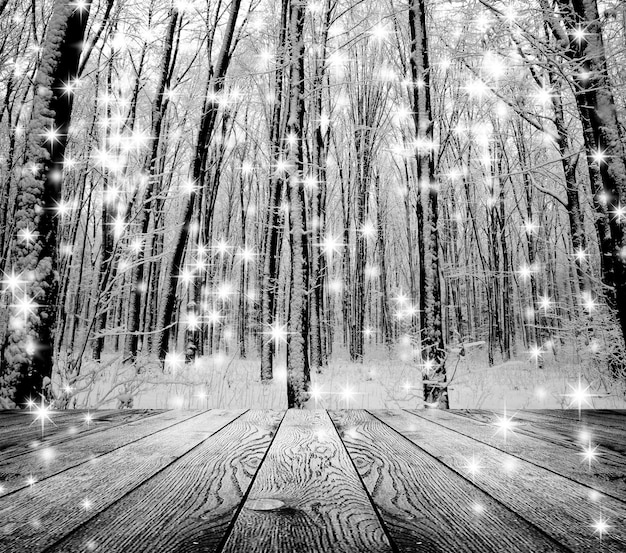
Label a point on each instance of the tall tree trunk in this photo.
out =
(215, 85)
(318, 201)
(272, 240)
(29, 356)
(298, 369)
(159, 107)
(604, 140)
(433, 353)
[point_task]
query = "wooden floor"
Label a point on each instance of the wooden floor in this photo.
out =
(300, 481)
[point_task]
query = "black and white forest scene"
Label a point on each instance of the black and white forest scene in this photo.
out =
(312, 275)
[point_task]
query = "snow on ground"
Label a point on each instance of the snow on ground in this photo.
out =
(384, 380)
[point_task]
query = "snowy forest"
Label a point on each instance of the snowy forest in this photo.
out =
(333, 203)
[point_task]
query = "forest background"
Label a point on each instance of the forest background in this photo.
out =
(377, 203)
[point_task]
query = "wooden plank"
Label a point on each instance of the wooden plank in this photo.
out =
(568, 432)
(49, 459)
(100, 422)
(563, 509)
(28, 429)
(10, 417)
(307, 496)
(188, 506)
(425, 504)
(605, 475)
(600, 417)
(35, 518)
(64, 425)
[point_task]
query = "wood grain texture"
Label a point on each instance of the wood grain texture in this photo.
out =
(563, 509)
(426, 506)
(567, 432)
(35, 518)
(307, 496)
(607, 418)
(188, 507)
(48, 459)
(543, 448)
(25, 434)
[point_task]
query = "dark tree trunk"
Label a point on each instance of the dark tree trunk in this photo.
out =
(433, 353)
(159, 107)
(29, 356)
(298, 369)
(199, 167)
(272, 242)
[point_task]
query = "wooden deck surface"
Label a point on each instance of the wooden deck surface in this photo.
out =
(300, 481)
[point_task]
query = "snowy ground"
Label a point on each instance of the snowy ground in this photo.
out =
(384, 380)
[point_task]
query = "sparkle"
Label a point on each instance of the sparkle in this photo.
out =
(246, 254)
(525, 272)
(193, 321)
(278, 332)
(27, 235)
(88, 418)
(214, 317)
(581, 255)
(330, 245)
(544, 303)
(86, 504)
(600, 526)
(291, 139)
(174, 360)
(429, 365)
(504, 424)
(579, 34)
(12, 281)
(536, 352)
(42, 414)
(368, 229)
(580, 396)
(80, 6)
(589, 454)
(63, 209)
(473, 466)
(544, 96)
(316, 392)
(588, 303)
(619, 212)
(186, 276)
(25, 306)
(347, 394)
(598, 157)
(530, 227)
(379, 32)
(224, 291)
(52, 136)
(221, 247)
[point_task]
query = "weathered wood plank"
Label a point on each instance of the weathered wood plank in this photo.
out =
(30, 429)
(188, 506)
(49, 459)
(567, 432)
(65, 425)
(607, 475)
(307, 496)
(35, 518)
(10, 417)
(425, 504)
(563, 509)
(605, 418)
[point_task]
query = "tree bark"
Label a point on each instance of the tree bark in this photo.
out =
(432, 346)
(29, 356)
